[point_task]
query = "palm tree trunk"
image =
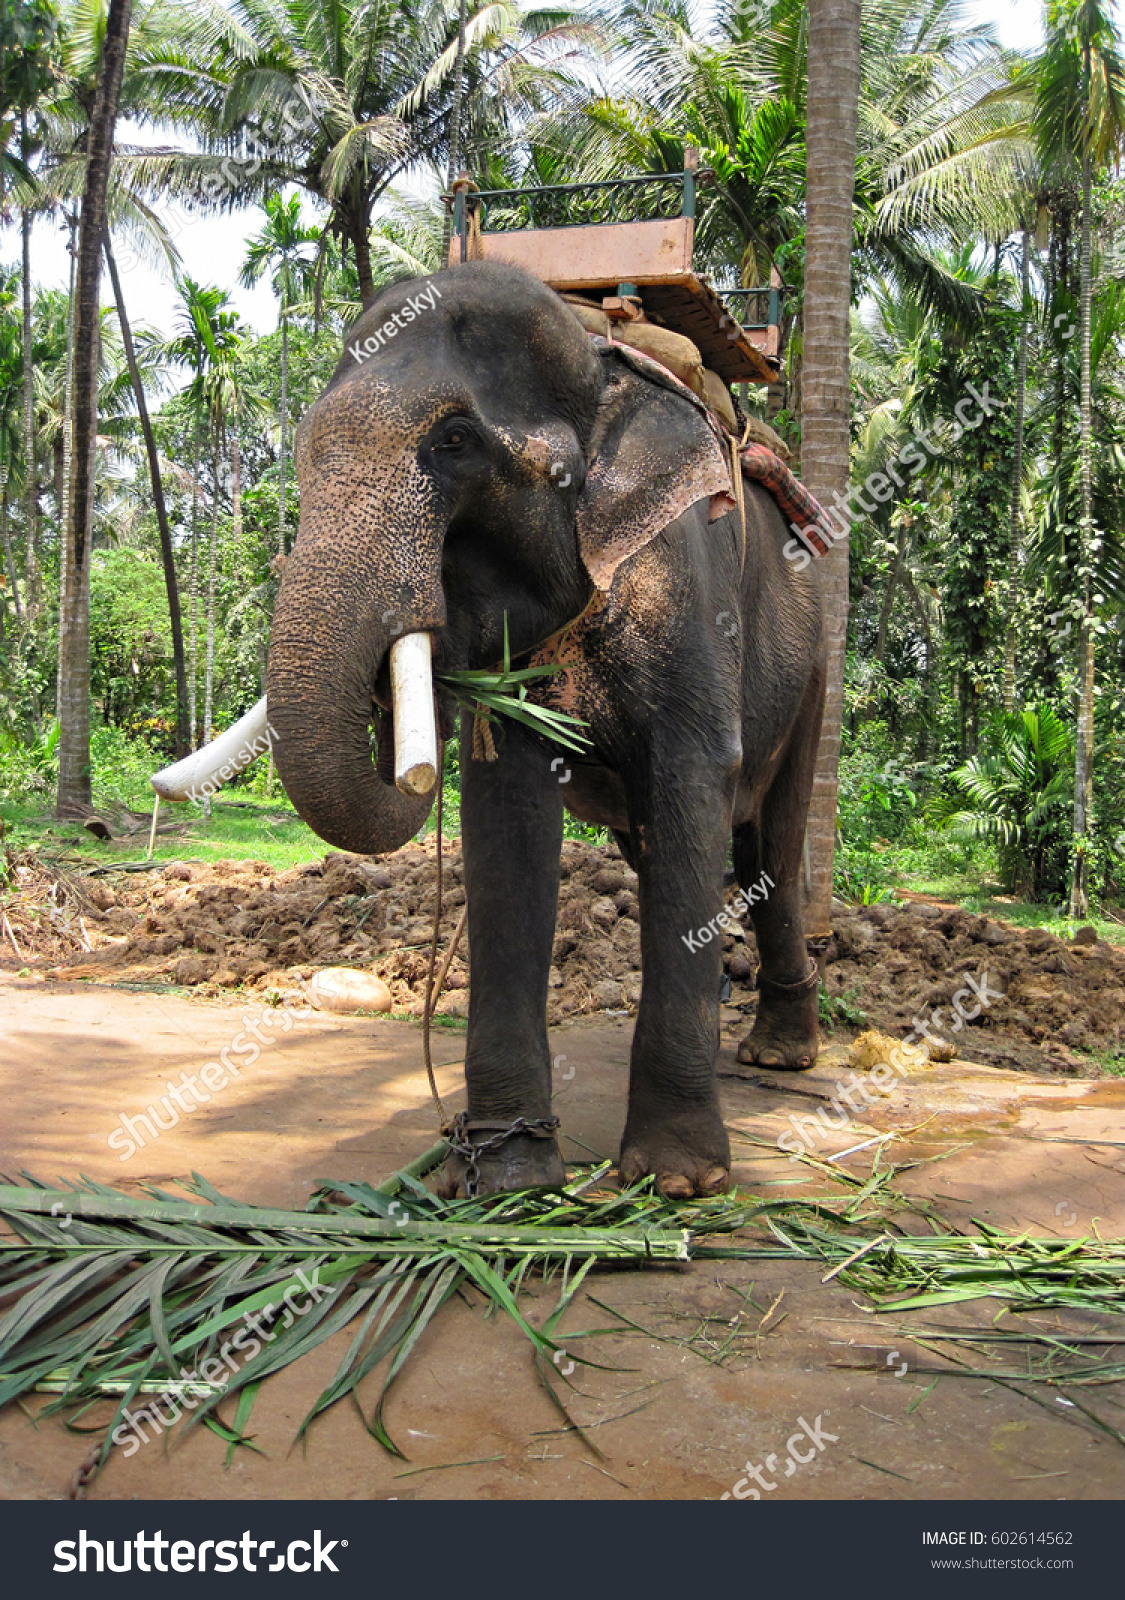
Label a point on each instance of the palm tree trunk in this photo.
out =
(193, 666)
(74, 691)
(235, 490)
(362, 247)
(66, 432)
(284, 414)
(167, 553)
(209, 661)
(31, 547)
(1014, 540)
(7, 539)
(455, 126)
(209, 665)
(1084, 746)
(833, 99)
(887, 607)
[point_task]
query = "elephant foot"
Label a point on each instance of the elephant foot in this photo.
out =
(518, 1161)
(689, 1154)
(786, 1031)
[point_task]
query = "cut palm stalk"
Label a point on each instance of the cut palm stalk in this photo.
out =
(412, 696)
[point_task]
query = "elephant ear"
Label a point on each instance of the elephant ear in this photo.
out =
(653, 453)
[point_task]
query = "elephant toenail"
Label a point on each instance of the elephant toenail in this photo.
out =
(675, 1186)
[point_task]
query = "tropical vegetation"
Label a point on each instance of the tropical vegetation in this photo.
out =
(945, 217)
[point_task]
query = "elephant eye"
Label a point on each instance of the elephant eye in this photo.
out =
(455, 437)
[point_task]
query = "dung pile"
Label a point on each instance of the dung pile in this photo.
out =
(1049, 998)
(223, 924)
(214, 926)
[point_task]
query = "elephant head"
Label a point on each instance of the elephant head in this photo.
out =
(475, 463)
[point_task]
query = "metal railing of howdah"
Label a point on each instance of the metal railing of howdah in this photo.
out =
(647, 197)
(754, 308)
(650, 197)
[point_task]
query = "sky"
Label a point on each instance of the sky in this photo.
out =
(212, 248)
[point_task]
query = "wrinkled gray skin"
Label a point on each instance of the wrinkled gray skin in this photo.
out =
(488, 461)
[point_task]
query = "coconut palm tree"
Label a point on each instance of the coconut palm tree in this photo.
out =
(74, 616)
(1080, 121)
(833, 100)
(285, 247)
(340, 97)
(936, 144)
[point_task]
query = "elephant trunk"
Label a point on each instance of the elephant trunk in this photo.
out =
(329, 643)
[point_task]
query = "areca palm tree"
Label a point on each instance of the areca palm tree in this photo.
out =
(1080, 121)
(167, 552)
(188, 348)
(207, 343)
(28, 47)
(285, 248)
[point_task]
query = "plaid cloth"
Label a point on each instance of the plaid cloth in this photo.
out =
(804, 514)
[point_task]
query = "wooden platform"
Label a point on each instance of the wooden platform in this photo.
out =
(654, 256)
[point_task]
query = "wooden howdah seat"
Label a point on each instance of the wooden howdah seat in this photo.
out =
(574, 238)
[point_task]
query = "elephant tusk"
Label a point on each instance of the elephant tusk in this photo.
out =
(207, 769)
(412, 697)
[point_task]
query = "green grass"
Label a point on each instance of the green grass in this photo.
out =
(1026, 915)
(1112, 1065)
(266, 830)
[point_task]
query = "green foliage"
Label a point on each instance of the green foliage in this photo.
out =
(841, 1008)
(121, 768)
(1015, 793)
(131, 671)
(875, 800)
(28, 50)
(28, 766)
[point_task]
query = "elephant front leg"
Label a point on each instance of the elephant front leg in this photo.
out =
(675, 1126)
(511, 833)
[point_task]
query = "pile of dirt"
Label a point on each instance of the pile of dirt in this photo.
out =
(227, 924)
(1049, 998)
(222, 924)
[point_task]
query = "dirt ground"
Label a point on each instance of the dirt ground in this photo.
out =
(345, 1098)
(237, 924)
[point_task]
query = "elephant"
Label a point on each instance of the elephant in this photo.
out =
(480, 469)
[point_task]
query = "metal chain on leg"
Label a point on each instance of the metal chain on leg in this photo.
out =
(86, 1473)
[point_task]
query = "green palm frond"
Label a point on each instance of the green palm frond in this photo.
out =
(504, 692)
(127, 1298)
(1015, 791)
